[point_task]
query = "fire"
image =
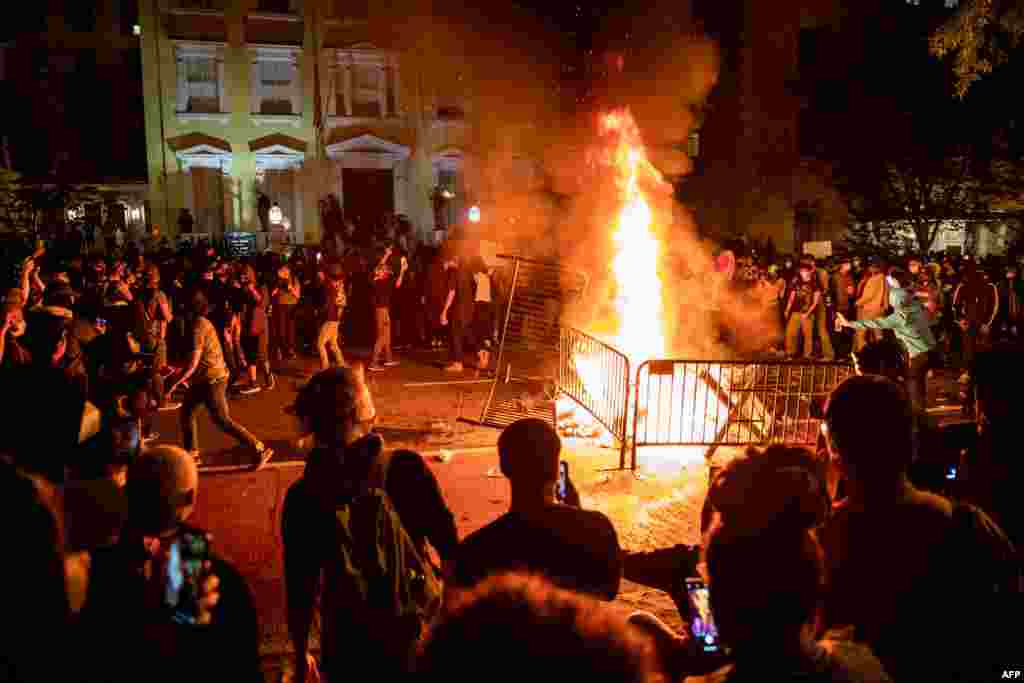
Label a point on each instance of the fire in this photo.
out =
(638, 302)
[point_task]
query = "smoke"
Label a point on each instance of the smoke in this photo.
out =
(664, 89)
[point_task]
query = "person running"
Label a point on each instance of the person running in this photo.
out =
(209, 378)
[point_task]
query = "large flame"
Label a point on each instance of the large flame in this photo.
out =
(638, 301)
(639, 306)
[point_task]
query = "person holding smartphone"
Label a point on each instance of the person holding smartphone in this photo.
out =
(176, 609)
(545, 531)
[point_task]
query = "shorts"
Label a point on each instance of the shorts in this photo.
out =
(256, 348)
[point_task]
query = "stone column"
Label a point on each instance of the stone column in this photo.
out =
(331, 91)
(382, 91)
(222, 86)
(296, 95)
(255, 88)
(348, 88)
(396, 88)
(182, 93)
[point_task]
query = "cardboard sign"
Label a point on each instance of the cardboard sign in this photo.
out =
(818, 249)
(240, 243)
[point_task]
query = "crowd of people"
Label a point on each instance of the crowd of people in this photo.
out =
(175, 330)
(836, 565)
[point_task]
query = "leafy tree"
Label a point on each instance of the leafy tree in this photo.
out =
(979, 36)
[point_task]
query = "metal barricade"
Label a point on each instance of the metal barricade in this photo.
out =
(533, 301)
(730, 403)
(596, 376)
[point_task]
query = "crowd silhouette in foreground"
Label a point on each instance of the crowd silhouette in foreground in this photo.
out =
(888, 553)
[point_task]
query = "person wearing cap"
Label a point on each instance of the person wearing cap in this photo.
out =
(207, 375)
(821, 313)
(1011, 300)
(215, 638)
(871, 300)
(576, 549)
(336, 408)
(803, 300)
(843, 286)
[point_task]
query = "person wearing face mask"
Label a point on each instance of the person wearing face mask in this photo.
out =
(909, 322)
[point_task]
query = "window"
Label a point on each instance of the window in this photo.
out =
(275, 86)
(280, 6)
(366, 90)
(199, 84)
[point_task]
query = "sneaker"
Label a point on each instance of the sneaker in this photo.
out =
(250, 389)
(390, 363)
(375, 367)
(265, 454)
(454, 367)
(271, 382)
(169, 406)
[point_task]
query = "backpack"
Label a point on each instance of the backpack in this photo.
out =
(380, 579)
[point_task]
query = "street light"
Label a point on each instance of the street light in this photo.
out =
(474, 214)
(276, 215)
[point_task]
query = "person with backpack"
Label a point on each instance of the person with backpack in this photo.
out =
(361, 517)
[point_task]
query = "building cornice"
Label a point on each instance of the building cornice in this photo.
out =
(215, 117)
(266, 52)
(191, 48)
(293, 120)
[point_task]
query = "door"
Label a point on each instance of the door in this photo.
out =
(369, 198)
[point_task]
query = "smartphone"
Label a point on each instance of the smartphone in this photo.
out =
(951, 473)
(702, 622)
(562, 488)
(184, 571)
(101, 322)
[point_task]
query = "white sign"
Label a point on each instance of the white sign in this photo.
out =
(818, 249)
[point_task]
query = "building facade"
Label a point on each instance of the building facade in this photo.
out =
(407, 127)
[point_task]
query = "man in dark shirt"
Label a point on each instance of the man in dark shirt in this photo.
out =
(458, 307)
(576, 549)
(804, 299)
(337, 409)
(384, 285)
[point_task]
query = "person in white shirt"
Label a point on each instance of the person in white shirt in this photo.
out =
(483, 313)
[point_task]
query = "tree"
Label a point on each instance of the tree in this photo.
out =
(979, 36)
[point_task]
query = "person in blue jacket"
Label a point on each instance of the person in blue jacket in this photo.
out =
(909, 322)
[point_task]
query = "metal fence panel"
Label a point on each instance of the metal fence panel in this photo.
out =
(730, 403)
(596, 376)
(531, 314)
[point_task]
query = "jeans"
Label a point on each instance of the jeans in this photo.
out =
(824, 334)
(214, 396)
(917, 382)
(156, 380)
(460, 329)
(282, 324)
(328, 339)
(382, 341)
(796, 324)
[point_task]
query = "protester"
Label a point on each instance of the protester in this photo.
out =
(368, 627)
(575, 548)
(208, 377)
(176, 609)
(335, 301)
(384, 285)
(556, 635)
(870, 302)
(895, 553)
(804, 298)
(285, 298)
(255, 330)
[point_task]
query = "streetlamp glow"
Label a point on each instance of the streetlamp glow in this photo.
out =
(474, 214)
(276, 215)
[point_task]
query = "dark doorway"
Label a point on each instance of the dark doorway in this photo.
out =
(369, 198)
